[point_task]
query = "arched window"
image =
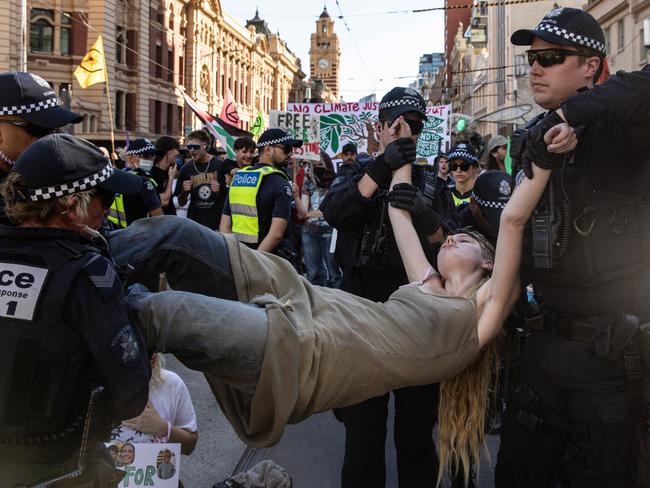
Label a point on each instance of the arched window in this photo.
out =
(41, 33)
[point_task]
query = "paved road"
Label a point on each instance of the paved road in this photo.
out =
(311, 452)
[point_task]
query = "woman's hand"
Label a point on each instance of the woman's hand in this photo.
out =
(148, 422)
(561, 138)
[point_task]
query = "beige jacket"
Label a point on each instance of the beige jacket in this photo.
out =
(327, 348)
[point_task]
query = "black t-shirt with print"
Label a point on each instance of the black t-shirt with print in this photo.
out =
(161, 177)
(205, 205)
(273, 200)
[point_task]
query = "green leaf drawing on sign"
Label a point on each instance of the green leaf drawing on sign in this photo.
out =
(335, 135)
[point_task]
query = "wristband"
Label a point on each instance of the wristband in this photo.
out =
(169, 430)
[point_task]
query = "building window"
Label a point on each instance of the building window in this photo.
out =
(643, 49)
(204, 80)
(159, 60)
(608, 41)
(119, 109)
(41, 34)
(621, 35)
(64, 35)
(324, 28)
(170, 61)
(181, 71)
(171, 17)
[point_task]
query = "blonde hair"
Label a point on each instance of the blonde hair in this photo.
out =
(20, 208)
(156, 372)
(464, 400)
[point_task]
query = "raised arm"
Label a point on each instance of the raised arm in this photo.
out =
(498, 295)
(408, 242)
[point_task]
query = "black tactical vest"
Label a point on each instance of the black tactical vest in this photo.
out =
(44, 386)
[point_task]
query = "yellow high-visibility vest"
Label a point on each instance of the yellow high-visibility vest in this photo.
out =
(116, 213)
(243, 207)
(459, 201)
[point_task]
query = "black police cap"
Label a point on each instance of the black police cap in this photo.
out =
(400, 100)
(61, 164)
(272, 137)
(567, 26)
(30, 97)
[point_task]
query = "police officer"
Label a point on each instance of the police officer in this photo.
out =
(258, 206)
(367, 252)
(573, 414)
(29, 109)
(66, 332)
(126, 209)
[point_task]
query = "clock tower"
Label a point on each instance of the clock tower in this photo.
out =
(324, 56)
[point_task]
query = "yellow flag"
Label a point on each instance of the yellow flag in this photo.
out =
(92, 68)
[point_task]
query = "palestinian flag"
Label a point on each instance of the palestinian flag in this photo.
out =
(225, 139)
(232, 130)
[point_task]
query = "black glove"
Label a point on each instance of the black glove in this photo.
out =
(397, 154)
(536, 151)
(405, 196)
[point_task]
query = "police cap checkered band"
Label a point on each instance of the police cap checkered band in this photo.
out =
(573, 38)
(488, 203)
(462, 152)
(140, 146)
(29, 108)
(281, 140)
(30, 97)
(420, 107)
(83, 184)
(568, 26)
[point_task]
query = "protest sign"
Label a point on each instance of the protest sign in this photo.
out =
(299, 126)
(340, 123)
(147, 464)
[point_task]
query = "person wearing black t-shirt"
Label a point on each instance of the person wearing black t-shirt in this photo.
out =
(198, 181)
(165, 170)
(264, 190)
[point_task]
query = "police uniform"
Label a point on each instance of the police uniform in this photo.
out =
(66, 331)
(260, 193)
(372, 268)
(126, 209)
(582, 392)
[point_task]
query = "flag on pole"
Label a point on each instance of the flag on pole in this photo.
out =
(233, 131)
(225, 139)
(229, 111)
(92, 69)
(258, 124)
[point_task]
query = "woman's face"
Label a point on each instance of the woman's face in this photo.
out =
(97, 210)
(460, 249)
(462, 170)
(127, 453)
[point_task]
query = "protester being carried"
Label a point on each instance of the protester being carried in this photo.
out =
(311, 349)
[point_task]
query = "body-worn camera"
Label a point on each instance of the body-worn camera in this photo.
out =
(546, 220)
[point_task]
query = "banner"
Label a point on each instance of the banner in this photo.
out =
(340, 123)
(147, 464)
(299, 126)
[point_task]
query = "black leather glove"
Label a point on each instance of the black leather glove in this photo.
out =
(397, 154)
(536, 151)
(405, 196)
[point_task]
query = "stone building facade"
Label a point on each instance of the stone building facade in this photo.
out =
(154, 50)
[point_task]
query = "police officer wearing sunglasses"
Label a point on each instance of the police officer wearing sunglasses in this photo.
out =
(356, 206)
(577, 411)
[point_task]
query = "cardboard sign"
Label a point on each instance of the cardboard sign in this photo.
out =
(340, 123)
(147, 464)
(305, 127)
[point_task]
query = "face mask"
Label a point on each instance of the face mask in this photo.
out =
(146, 165)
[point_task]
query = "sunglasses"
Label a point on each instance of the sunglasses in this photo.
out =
(15, 123)
(416, 126)
(285, 149)
(194, 147)
(461, 166)
(550, 57)
(106, 197)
